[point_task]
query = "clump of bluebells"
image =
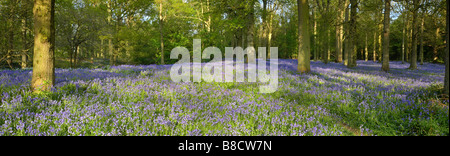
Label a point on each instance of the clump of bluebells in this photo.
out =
(142, 100)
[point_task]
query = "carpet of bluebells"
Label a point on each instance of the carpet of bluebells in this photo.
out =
(143, 100)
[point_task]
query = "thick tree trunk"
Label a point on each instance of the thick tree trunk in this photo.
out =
(387, 10)
(303, 37)
(413, 64)
(43, 77)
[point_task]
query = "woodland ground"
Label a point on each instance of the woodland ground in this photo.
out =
(142, 100)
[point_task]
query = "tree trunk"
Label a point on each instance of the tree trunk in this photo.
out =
(264, 25)
(387, 10)
(403, 42)
(102, 49)
(347, 36)
(75, 56)
(380, 43)
(161, 29)
(250, 28)
(421, 40)
(435, 46)
(413, 64)
(328, 46)
(374, 47)
(339, 33)
(24, 43)
(366, 49)
(316, 57)
(407, 39)
(269, 35)
(303, 37)
(43, 77)
(110, 43)
(446, 79)
(352, 34)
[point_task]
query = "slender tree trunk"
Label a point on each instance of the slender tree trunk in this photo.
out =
(403, 42)
(24, 43)
(386, 31)
(380, 39)
(435, 46)
(10, 44)
(347, 37)
(316, 53)
(269, 36)
(110, 43)
(102, 49)
(72, 50)
(250, 28)
(328, 46)
(421, 40)
(43, 77)
(339, 33)
(209, 16)
(407, 39)
(414, 37)
(75, 56)
(161, 29)
(264, 25)
(446, 79)
(374, 47)
(352, 34)
(366, 49)
(303, 37)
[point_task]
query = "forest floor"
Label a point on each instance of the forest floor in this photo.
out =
(143, 100)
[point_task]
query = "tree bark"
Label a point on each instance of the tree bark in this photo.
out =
(403, 41)
(352, 34)
(421, 39)
(366, 49)
(161, 29)
(387, 10)
(435, 46)
(374, 47)
(339, 33)
(250, 28)
(316, 53)
(110, 43)
(303, 37)
(43, 77)
(446, 79)
(413, 64)
(347, 36)
(24, 41)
